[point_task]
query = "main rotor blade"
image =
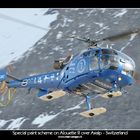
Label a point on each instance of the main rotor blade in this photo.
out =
(77, 37)
(110, 38)
(87, 40)
(119, 36)
(6, 17)
(14, 78)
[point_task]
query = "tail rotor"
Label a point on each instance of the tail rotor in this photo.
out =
(6, 93)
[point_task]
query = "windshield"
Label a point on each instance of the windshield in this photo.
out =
(111, 59)
(127, 59)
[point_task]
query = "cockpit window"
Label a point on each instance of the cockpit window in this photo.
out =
(125, 58)
(128, 65)
(109, 61)
(128, 68)
(93, 63)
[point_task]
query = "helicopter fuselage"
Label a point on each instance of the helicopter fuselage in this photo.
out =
(100, 66)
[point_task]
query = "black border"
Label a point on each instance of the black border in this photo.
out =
(70, 3)
(97, 133)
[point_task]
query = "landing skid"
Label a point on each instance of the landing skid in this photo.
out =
(110, 95)
(93, 112)
(53, 95)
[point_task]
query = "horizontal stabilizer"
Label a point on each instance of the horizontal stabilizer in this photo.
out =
(93, 112)
(42, 93)
(53, 95)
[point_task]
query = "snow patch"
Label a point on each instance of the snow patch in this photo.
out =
(104, 28)
(75, 113)
(132, 36)
(0, 112)
(70, 49)
(39, 53)
(59, 35)
(78, 106)
(116, 22)
(103, 10)
(71, 39)
(34, 51)
(51, 112)
(75, 107)
(57, 48)
(51, 53)
(16, 123)
(91, 12)
(75, 9)
(46, 57)
(73, 32)
(120, 13)
(69, 44)
(62, 51)
(41, 58)
(43, 118)
(100, 24)
(70, 20)
(64, 22)
(2, 123)
(81, 25)
(42, 47)
(15, 101)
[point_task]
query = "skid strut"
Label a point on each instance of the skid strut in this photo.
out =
(88, 102)
(92, 111)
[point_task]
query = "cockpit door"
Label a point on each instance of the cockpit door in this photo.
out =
(94, 61)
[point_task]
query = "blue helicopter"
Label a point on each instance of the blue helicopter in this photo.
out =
(104, 71)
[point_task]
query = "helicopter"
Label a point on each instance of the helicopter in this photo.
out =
(100, 70)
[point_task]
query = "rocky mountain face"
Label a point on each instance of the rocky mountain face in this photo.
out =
(28, 112)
